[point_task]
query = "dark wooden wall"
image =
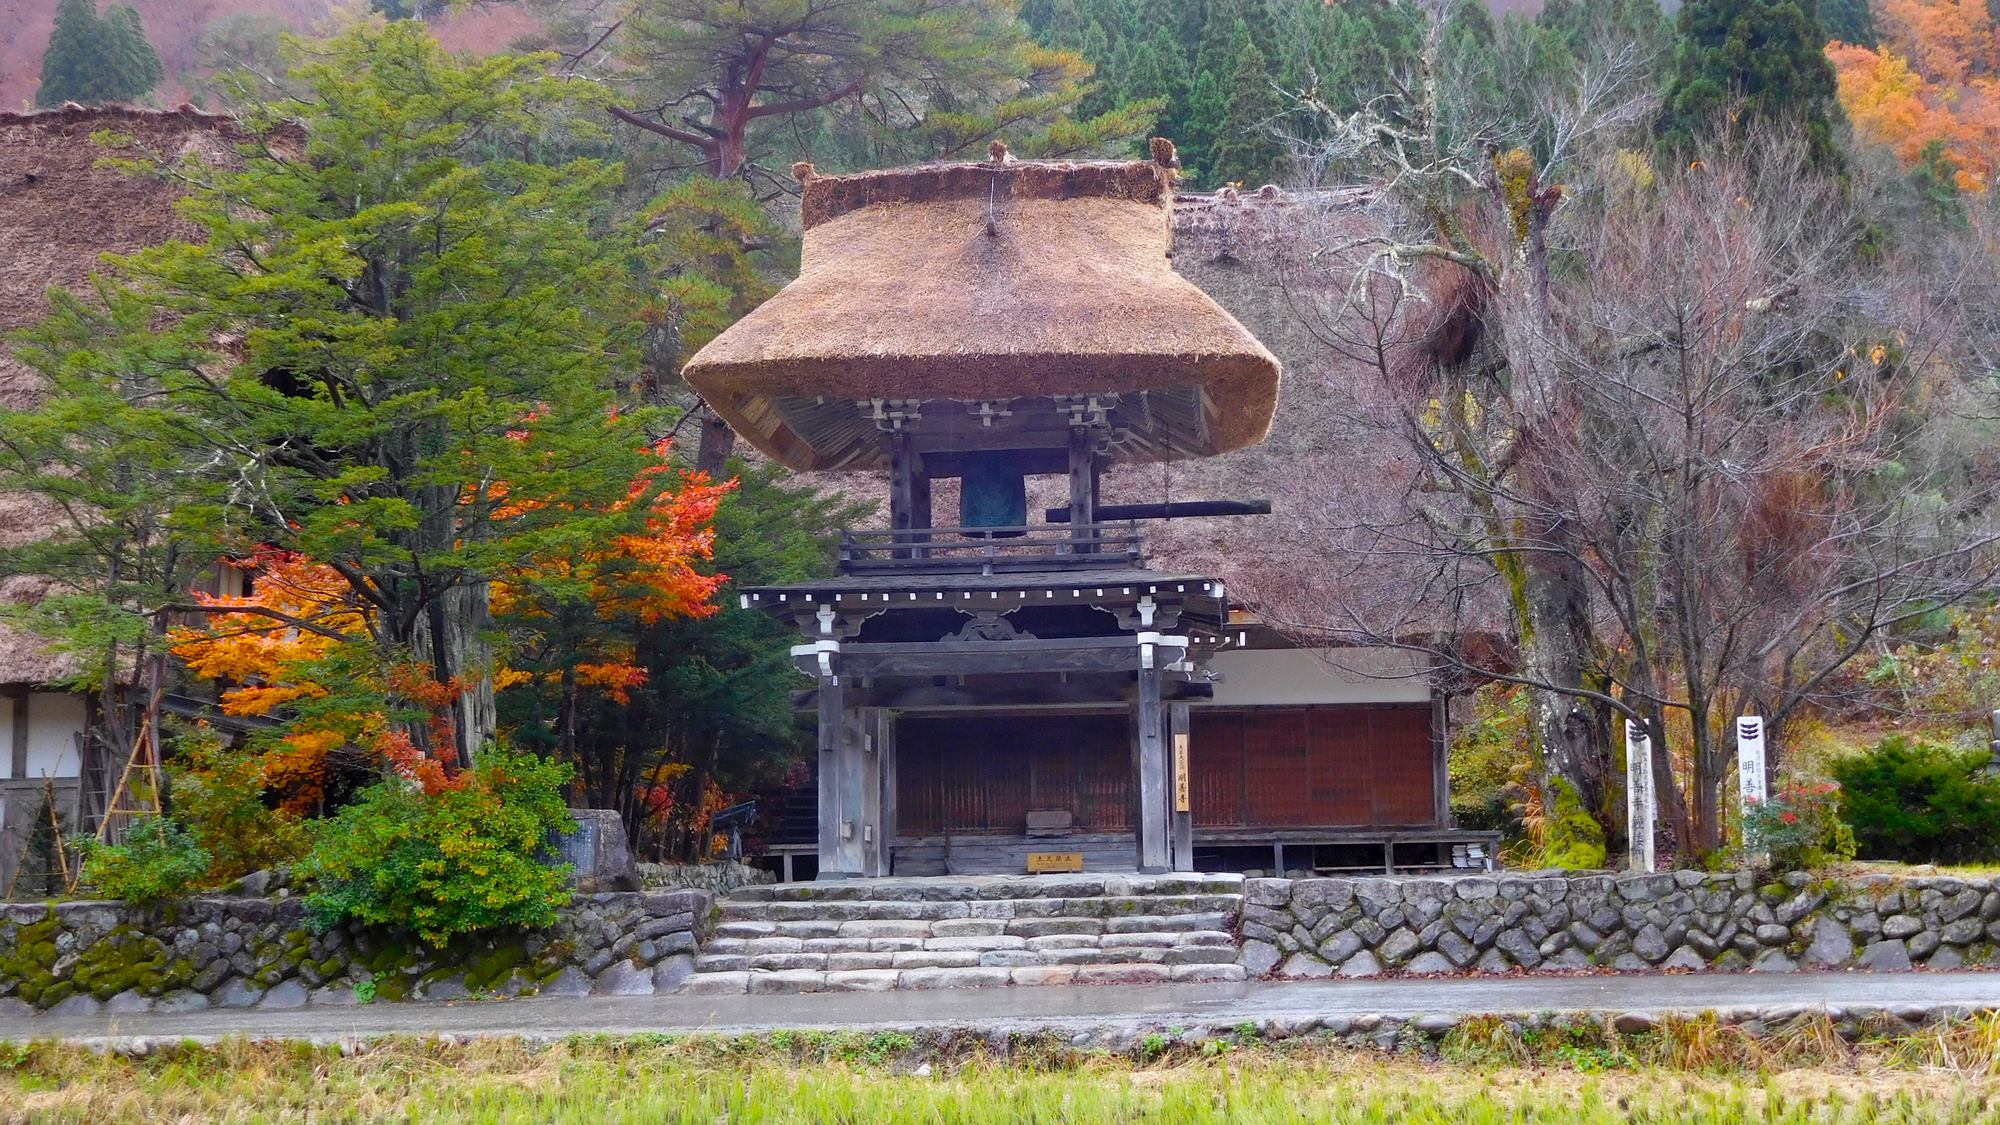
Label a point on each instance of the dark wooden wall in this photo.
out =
(1313, 767)
(983, 773)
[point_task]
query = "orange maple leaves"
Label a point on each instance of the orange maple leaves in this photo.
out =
(302, 640)
(1936, 77)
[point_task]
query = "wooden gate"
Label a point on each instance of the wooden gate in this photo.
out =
(981, 774)
(1318, 767)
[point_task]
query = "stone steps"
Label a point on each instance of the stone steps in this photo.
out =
(979, 932)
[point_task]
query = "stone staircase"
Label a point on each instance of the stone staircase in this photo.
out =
(873, 935)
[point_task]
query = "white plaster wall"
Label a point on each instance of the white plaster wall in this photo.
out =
(1268, 676)
(54, 720)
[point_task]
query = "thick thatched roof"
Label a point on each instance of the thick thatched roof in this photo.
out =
(988, 283)
(59, 214)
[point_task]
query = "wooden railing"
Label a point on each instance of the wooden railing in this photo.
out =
(991, 550)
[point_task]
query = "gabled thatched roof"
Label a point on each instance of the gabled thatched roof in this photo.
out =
(59, 214)
(985, 282)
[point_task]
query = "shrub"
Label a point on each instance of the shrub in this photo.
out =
(1921, 803)
(458, 860)
(219, 795)
(159, 858)
(1798, 828)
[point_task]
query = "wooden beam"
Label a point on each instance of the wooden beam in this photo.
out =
(1441, 757)
(1179, 509)
(1082, 690)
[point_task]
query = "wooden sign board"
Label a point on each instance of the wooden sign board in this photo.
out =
(1045, 863)
(1181, 796)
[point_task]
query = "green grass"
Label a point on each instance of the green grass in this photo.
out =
(1694, 1073)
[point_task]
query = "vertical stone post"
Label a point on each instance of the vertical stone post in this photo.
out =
(1751, 787)
(1639, 806)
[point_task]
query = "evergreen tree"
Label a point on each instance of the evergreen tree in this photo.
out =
(97, 61)
(1764, 57)
(1244, 150)
(1852, 21)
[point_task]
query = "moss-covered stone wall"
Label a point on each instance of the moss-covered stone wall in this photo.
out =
(1689, 921)
(81, 957)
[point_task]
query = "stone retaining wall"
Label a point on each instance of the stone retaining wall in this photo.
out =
(82, 957)
(1686, 920)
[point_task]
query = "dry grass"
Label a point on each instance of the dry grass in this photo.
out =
(1687, 1071)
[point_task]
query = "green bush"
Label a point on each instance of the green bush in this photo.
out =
(1921, 803)
(1798, 828)
(457, 860)
(159, 858)
(219, 795)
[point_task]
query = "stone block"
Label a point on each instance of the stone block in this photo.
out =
(82, 1004)
(895, 944)
(1830, 945)
(1207, 974)
(1924, 944)
(181, 1000)
(968, 927)
(1771, 933)
(335, 996)
(1362, 964)
(1123, 973)
(1064, 941)
(721, 963)
(1649, 943)
(1901, 925)
(1684, 960)
(1492, 961)
(128, 1001)
(885, 928)
(1029, 976)
(1945, 958)
(1304, 966)
(787, 982)
(1429, 962)
(1009, 958)
(570, 982)
(937, 959)
(1037, 928)
(1138, 941)
(861, 980)
(672, 972)
(744, 930)
(596, 852)
(1258, 958)
(784, 962)
(285, 994)
(1773, 961)
(953, 978)
(1267, 892)
(1962, 932)
(714, 984)
(978, 944)
(1201, 955)
(1458, 950)
(1398, 946)
(816, 930)
(448, 988)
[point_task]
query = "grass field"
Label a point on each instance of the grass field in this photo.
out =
(1691, 1073)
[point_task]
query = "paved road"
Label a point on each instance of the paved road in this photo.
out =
(1059, 1007)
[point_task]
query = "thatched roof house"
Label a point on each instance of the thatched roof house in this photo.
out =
(59, 214)
(985, 283)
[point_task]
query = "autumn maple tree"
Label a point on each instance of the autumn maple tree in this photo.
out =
(1933, 84)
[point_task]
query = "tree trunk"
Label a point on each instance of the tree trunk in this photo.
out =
(1552, 655)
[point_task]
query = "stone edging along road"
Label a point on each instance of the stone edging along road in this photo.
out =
(1112, 1016)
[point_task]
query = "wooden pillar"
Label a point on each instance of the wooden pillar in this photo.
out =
(833, 821)
(1082, 484)
(18, 736)
(1181, 821)
(1154, 855)
(909, 489)
(1441, 758)
(885, 821)
(871, 762)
